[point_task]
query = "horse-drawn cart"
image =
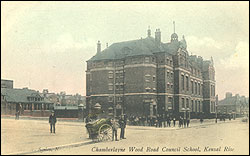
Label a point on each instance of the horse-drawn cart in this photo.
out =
(100, 130)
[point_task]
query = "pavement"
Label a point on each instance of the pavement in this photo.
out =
(33, 137)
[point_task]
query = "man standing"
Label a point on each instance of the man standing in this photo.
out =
(174, 121)
(122, 123)
(188, 121)
(52, 121)
(115, 126)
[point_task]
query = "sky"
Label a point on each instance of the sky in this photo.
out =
(45, 45)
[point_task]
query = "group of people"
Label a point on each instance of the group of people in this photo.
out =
(116, 124)
(158, 121)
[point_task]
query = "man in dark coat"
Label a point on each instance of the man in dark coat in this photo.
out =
(122, 124)
(188, 121)
(174, 121)
(52, 121)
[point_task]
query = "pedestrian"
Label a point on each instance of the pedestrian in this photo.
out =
(201, 119)
(168, 121)
(52, 121)
(122, 123)
(17, 115)
(188, 121)
(180, 122)
(184, 122)
(115, 127)
(174, 121)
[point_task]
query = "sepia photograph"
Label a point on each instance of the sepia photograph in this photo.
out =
(124, 78)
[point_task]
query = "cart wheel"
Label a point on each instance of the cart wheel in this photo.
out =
(105, 133)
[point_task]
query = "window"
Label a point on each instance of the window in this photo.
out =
(183, 103)
(170, 100)
(171, 62)
(147, 78)
(182, 80)
(110, 86)
(110, 64)
(147, 89)
(199, 89)
(195, 87)
(187, 104)
(192, 105)
(187, 83)
(192, 86)
(167, 61)
(168, 86)
(172, 75)
(110, 98)
(199, 106)
(168, 74)
(153, 78)
(195, 106)
(121, 87)
(117, 87)
(119, 99)
(147, 59)
(153, 59)
(111, 75)
(172, 86)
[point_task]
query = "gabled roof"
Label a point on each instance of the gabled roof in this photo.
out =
(20, 95)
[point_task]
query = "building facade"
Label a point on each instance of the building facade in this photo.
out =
(146, 77)
(66, 106)
(238, 105)
(28, 102)
(6, 83)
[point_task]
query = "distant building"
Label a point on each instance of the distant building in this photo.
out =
(65, 106)
(7, 84)
(146, 77)
(27, 101)
(237, 104)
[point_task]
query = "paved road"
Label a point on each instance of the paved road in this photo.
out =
(28, 135)
(25, 135)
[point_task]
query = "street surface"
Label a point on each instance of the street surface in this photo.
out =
(25, 136)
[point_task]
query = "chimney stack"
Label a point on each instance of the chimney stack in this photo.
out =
(158, 36)
(98, 47)
(149, 31)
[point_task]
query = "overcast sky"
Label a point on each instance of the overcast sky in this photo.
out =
(46, 44)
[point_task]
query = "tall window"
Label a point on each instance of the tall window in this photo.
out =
(183, 103)
(182, 81)
(195, 106)
(187, 83)
(199, 106)
(153, 78)
(192, 105)
(187, 104)
(195, 87)
(192, 86)
(110, 86)
(199, 89)
(111, 75)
